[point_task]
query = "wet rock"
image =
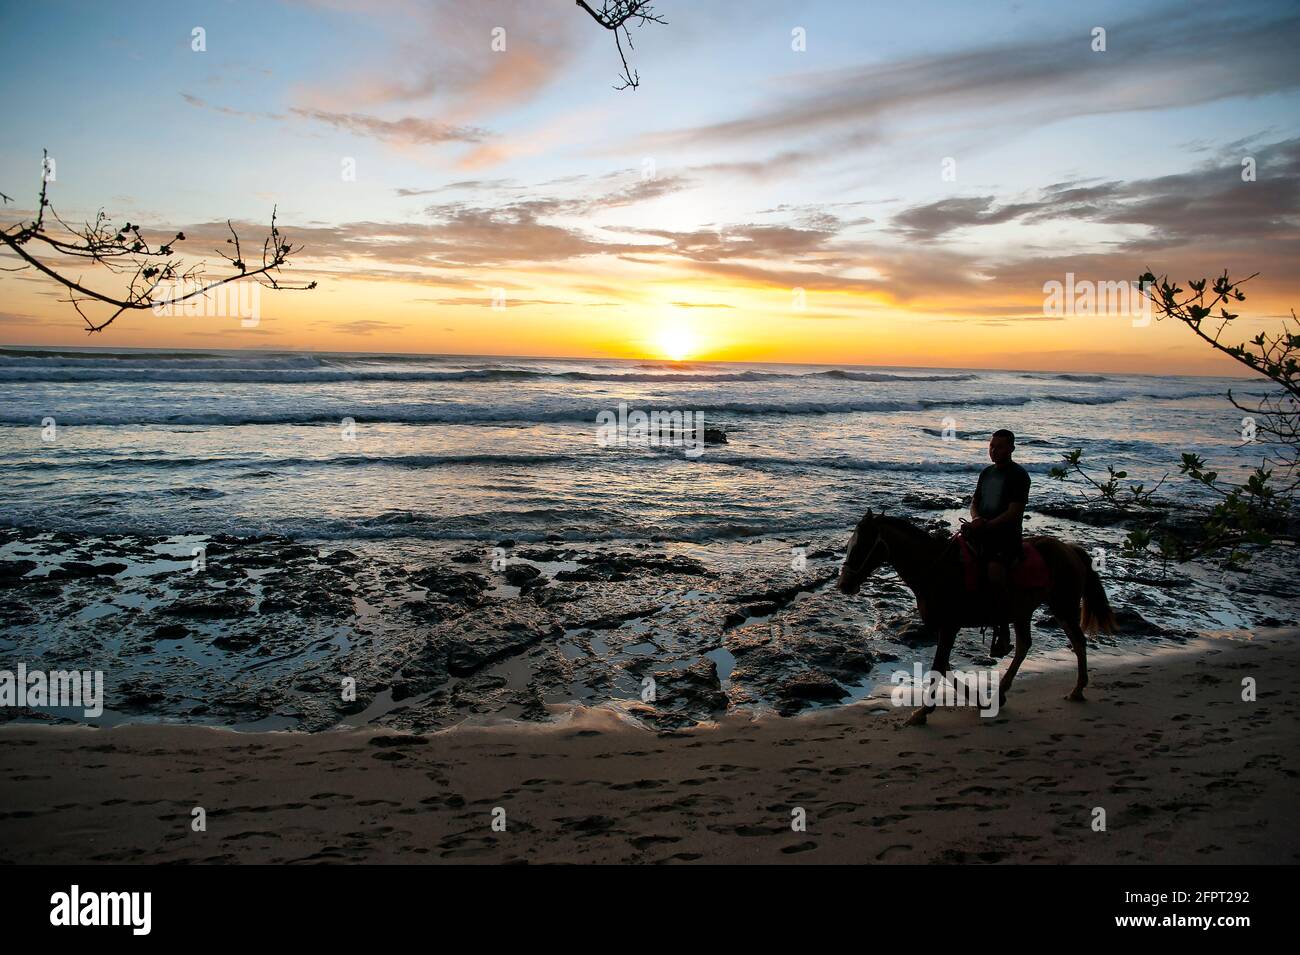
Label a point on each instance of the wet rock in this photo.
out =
(692, 689)
(545, 555)
(13, 614)
(493, 636)
(811, 685)
(258, 559)
(455, 586)
(217, 606)
(589, 575)
(915, 632)
(11, 571)
(237, 641)
(339, 557)
(933, 502)
(1096, 515)
(466, 557)
(738, 617)
(75, 569)
(1129, 622)
(521, 575)
(139, 693)
(171, 631)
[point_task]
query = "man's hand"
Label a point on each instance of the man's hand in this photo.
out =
(976, 525)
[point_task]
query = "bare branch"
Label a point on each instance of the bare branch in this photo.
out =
(615, 15)
(156, 277)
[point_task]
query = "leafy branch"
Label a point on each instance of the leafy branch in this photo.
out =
(1258, 511)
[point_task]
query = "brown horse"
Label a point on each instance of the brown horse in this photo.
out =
(932, 569)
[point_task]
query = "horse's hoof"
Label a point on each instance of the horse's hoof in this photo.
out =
(1076, 696)
(918, 718)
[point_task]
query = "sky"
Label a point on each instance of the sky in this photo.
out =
(828, 182)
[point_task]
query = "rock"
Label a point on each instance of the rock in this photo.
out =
(13, 570)
(617, 567)
(811, 685)
(521, 575)
(916, 633)
(218, 606)
(738, 617)
(75, 569)
(694, 688)
(1097, 515)
(1129, 622)
(933, 502)
(459, 587)
(339, 557)
(237, 641)
(171, 631)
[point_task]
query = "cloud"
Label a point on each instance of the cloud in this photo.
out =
(1173, 57)
(934, 219)
(364, 326)
(1209, 202)
(409, 129)
(472, 59)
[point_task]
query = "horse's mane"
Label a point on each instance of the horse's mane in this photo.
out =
(907, 527)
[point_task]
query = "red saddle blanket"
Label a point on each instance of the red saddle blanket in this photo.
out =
(1031, 571)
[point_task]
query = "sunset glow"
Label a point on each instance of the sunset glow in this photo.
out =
(544, 213)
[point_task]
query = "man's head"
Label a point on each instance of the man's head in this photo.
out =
(1001, 445)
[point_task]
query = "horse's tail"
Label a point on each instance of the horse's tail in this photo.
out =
(1096, 615)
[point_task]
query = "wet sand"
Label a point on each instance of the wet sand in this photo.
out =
(1185, 770)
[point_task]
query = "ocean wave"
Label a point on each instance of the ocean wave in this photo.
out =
(427, 413)
(266, 466)
(1064, 376)
(277, 372)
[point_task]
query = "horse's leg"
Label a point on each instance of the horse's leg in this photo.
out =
(947, 636)
(1079, 644)
(1022, 650)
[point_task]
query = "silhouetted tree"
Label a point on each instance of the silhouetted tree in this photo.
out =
(155, 277)
(1260, 510)
(615, 15)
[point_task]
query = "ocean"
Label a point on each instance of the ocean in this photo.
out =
(335, 447)
(306, 541)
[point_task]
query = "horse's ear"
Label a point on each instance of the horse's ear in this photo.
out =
(868, 515)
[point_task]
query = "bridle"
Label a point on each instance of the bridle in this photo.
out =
(867, 559)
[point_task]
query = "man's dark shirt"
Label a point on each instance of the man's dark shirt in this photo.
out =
(998, 489)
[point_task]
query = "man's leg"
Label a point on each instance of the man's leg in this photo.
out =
(1000, 603)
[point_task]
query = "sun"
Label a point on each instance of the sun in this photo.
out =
(676, 341)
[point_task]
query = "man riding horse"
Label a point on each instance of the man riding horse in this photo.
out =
(940, 572)
(994, 531)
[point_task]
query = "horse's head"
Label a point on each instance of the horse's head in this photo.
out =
(867, 551)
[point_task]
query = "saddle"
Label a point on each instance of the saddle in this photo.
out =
(1029, 572)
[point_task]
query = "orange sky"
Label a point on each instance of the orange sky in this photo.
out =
(890, 196)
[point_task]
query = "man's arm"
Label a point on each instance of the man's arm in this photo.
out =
(1011, 515)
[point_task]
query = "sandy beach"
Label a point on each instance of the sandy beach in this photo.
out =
(1186, 771)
